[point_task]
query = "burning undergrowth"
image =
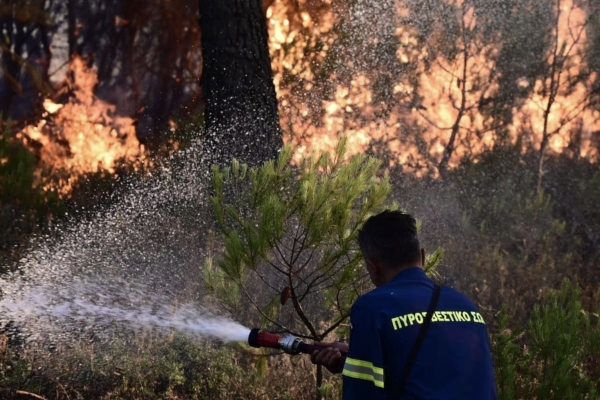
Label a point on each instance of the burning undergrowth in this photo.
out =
(421, 86)
(79, 133)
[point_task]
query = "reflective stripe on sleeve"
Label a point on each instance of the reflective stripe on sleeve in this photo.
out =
(363, 370)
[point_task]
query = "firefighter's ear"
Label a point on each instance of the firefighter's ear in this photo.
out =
(374, 267)
(370, 265)
(422, 257)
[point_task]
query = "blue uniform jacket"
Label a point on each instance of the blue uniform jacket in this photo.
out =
(454, 361)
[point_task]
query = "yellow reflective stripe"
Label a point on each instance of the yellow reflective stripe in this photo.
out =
(368, 364)
(365, 370)
(366, 377)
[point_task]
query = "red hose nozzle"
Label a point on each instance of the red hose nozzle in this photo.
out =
(260, 338)
(289, 344)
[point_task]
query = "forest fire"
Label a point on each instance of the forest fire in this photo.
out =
(432, 112)
(558, 112)
(84, 135)
(137, 202)
(421, 102)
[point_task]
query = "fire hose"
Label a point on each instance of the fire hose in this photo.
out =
(289, 344)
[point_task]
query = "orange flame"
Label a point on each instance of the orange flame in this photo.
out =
(415, 125)
(85, 135)
(570, 124)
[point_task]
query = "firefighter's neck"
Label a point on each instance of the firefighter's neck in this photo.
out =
(381, 274)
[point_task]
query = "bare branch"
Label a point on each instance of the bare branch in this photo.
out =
(298, 307)
(261, 312)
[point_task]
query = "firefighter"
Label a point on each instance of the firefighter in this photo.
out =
(409, 338)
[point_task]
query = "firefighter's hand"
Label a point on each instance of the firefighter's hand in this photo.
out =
(331, 357)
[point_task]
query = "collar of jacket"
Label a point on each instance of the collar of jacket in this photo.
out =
(411, 274)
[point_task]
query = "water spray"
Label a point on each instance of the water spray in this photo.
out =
(290, 344)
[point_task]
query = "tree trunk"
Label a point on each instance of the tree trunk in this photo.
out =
(450, 147)
(10, 81)
(72, 28)
(241, 115)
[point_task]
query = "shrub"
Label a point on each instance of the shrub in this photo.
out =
(290, 239)
(550, 359)
(24, 205)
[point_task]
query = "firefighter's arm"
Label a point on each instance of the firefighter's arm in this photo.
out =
(363, 370)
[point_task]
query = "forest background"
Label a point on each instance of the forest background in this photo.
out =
(486, 114)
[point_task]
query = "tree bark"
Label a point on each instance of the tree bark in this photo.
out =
(241, 114)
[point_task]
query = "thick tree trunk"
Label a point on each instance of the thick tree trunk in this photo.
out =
(242, 119)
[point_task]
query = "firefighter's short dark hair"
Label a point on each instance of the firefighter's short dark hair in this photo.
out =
(390, 238)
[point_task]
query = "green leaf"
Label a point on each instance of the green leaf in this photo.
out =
(295, 227)
(432, 262)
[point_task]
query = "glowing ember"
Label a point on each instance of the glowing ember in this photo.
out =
(85, 134)
(51, 107)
